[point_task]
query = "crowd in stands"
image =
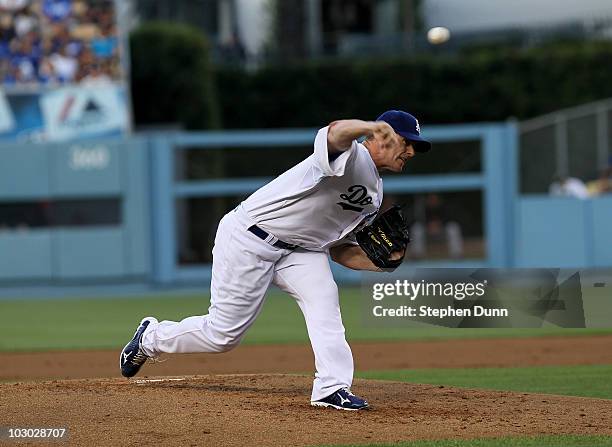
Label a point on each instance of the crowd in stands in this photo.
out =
(566, 186)
(50, 42)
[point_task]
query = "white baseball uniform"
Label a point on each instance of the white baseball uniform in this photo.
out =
(313, 205)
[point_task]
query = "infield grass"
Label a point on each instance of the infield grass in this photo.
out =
(538, 441)
(583, 380)
(99, 323)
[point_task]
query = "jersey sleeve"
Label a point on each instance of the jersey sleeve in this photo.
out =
(321, 156)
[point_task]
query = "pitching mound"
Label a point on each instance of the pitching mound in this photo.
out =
(273, 410)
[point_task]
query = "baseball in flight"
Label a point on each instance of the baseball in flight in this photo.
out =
(438, 35)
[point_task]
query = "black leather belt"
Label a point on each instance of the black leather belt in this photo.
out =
(264, 235)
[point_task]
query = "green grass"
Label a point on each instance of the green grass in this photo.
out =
(538, 441)
(107, 322)
(584, 380)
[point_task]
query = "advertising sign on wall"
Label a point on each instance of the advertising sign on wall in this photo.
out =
(74, 112)
(7, 122)
(67, 113)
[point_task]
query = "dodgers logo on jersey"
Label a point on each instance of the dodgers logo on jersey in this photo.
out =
(357, 195)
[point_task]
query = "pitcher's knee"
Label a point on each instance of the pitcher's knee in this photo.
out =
(226, 345)
(223, 342)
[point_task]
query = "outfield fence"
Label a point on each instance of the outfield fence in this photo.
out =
(144, 209)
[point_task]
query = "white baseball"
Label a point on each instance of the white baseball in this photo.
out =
(438, 35)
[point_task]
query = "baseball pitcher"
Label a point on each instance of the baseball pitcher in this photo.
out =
(284, 234)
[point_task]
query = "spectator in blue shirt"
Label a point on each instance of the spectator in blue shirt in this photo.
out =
(104, 46)
(57, 10)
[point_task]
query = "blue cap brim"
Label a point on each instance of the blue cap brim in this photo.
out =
(420, 144)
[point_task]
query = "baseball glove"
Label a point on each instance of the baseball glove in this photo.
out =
(388, 233)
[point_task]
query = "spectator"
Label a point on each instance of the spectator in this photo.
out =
(25, 21)
(64, 65)
(435, 224)
(13, 5)
(568, 187)
(24, 57)
(46, 72)
(94, 75)
(8, 72)
(49, 41)
(57, 10)
(605, 181)
(7, 34)
(105, 45)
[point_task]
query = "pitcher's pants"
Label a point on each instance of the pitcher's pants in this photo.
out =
(243, 268)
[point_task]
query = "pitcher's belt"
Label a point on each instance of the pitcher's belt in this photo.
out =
(272, 240)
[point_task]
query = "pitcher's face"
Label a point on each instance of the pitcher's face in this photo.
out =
(391, 157)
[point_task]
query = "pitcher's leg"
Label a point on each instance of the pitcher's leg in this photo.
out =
(241, 273)
(307, 277)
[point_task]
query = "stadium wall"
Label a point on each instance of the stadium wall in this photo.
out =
(135, 178)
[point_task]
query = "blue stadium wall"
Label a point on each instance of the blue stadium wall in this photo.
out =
(140, 247)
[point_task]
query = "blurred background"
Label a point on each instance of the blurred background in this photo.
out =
(128, 128)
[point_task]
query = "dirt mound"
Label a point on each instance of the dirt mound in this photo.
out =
(273, 410)
(585, 350)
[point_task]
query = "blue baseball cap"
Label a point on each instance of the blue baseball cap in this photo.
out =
(407, 126)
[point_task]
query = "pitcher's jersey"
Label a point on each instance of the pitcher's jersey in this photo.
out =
(319, 202)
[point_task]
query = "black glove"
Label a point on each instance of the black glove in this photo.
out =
(387, 234)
